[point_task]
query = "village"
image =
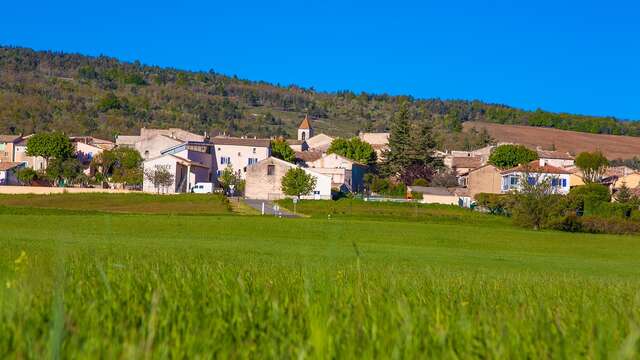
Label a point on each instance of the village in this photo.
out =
(193, 163)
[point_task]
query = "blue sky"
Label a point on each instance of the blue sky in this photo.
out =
(573, 56)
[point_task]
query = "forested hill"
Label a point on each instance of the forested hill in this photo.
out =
(102, 96)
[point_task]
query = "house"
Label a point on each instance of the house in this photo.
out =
(346, 175)
(174, 133)
(8, 171)
(463, 164)
(87, 147)
(441, 195)
(378, 141)
(320, 142)
(484, 153)
(151, 142)
(264, 181)
(485, 179)
(239, 153)
(7, 147)
(534, 173)
(298, 145)
(555, 158)
(188, 163)
(37, 163)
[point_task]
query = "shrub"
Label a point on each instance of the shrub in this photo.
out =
(589, 193)
(496, 204)
(416, 195)
(420, 182)
(596, 224)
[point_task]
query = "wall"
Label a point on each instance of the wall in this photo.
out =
(35, 162)
(486, 179)
(440, 199)
(7, 152)
(259, 185)
(150, 148)
(15, 190)
(239, 155)
(167, 161)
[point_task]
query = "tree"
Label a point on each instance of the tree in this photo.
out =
(296, 182)
(160, 177)
(397, 157)
(354, 149)
(508, 156)
(50, 145)
(624, 195)
(68, 171)
(535, 202)
(120, 165)
(26, 176)
(281, 150)
(593, 166)
(229, 179)
(424, 146)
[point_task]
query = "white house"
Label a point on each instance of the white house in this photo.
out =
(534, 173)
(555, 158)
(37, 163)
(264, 181)
(346, 175)
(240, 153)
(188, 163)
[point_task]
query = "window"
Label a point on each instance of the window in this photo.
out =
(146, 154)
(531, 180)
(304, 136)
(513, 180)
(315, 192)
(564, 182)
(252, 161)
(254, 150)
(555, 182)
(239, 154)
(271, 170)
(225, 160)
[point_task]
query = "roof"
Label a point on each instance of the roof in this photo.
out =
(375, 138)
(290, 165)
(9, 138)
(534, 167)
(551, 154)
(305, 124)
(345, 159)
(241, 141)
(482, 167)
(431, 190)
(127, 139)
(180, 159)
(620, 171)
(308, 156)
(295, 142)
(7, 165)
(466, 162)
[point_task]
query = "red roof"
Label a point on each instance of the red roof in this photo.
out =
(305, 124)
(534, 167)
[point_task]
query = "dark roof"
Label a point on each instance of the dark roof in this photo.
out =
(7, 165)
(551, 154)
(9, 138)
(241, 141)
(308, 156)
(470, 162)
(534, 167)
(430, 190)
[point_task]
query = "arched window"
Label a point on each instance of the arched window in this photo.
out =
(304, 136)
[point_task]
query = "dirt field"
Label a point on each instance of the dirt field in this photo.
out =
(612, 146)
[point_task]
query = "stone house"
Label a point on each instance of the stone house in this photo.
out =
(264, 181)
(485, 179)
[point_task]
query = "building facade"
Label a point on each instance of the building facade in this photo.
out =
(264, 181)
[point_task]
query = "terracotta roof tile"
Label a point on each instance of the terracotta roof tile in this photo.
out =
(534, 167)
(305, 124)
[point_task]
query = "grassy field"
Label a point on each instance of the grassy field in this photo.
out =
(111, 285)
(184, 204)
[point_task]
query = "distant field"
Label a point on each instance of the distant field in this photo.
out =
(108, 285)
(389, 211)
(184, 204)
(614, 147)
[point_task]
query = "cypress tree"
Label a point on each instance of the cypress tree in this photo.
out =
(398, 157)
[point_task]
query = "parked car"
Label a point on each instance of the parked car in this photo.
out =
(202, 188)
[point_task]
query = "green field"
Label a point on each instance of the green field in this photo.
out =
(120, 285)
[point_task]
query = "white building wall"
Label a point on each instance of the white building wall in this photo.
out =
(239, 156)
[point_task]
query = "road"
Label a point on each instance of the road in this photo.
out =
(268, 208)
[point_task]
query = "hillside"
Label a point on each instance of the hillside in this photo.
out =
(614, 147)
(102, 96)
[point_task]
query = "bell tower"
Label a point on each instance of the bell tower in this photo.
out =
(305, 131)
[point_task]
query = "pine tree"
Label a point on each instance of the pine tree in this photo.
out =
(398, 157)
(424, 146)
(624, 195)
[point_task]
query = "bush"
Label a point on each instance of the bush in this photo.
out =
(420, 182)
(416, 195)
(496, 204)
(596, 224)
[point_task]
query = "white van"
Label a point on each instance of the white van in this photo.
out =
(202, 188)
